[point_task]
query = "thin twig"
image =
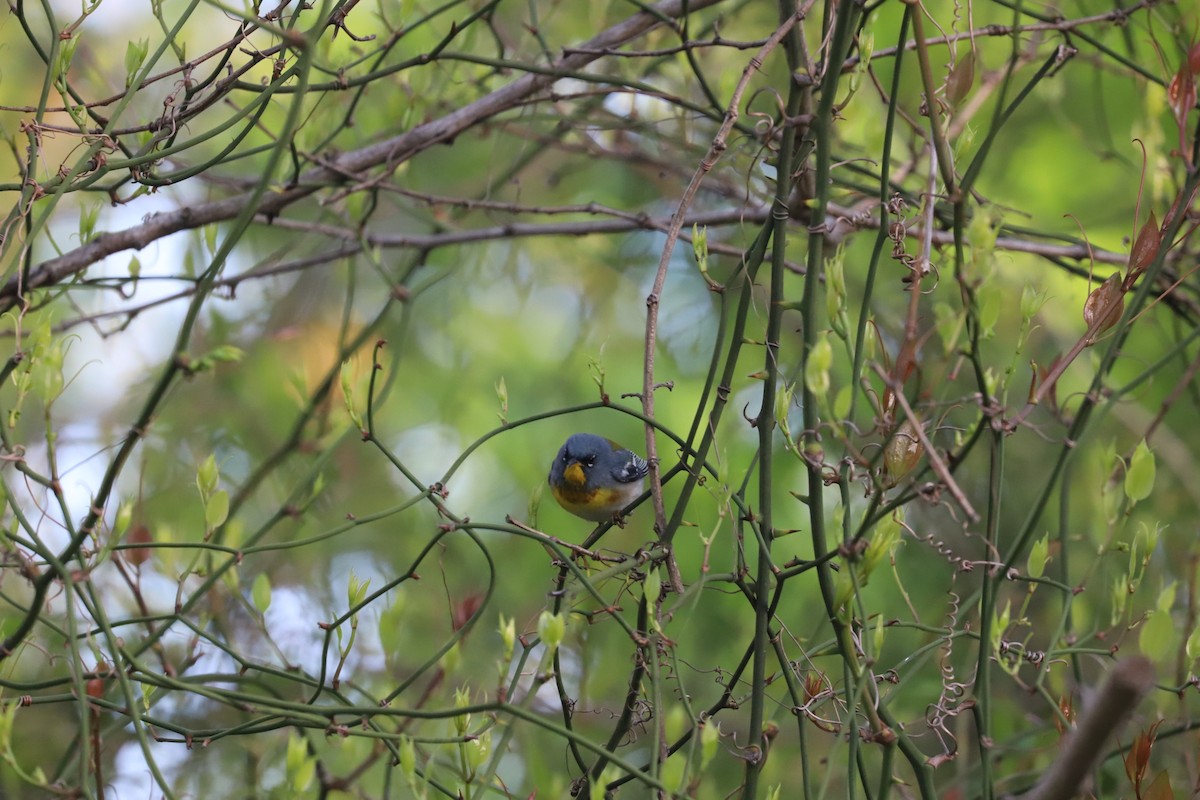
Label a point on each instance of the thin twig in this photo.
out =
(718, 146)
(935, 460)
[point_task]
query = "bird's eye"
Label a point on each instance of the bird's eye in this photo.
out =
(564, 458)
(589, 462)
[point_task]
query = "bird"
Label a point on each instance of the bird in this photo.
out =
(595, 478)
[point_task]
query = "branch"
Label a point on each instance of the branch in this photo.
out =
(392, 151)
(935, 459)
(717, 147)
(1127, 684)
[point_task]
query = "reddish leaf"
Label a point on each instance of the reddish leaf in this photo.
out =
(814, 684)
(1149, 239)
(1181, 92)
(1104, 306)
(1132, 769)
(903, 451)
(906, 363)
(1138, 757)
(465, 610)
(1160, 788)
(1043, 375)
(960, 79)
(1193, 58)
(1066, 705)
(139, 534)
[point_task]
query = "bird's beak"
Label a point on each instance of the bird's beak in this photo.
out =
(574, 474)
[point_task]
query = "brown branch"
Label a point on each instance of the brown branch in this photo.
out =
(856, 218)
(354, 241)
(392, 151)
(1127, 684)
(623, 223)
(935, 460)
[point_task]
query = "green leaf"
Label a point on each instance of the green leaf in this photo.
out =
(598, 790)
(878, 635)
(677, 722)
(8, 713)
(710, 739)
(843, 591)
(841, 403)
(210, 237)
(551, 629)
(700, 248)
(300, 765)
(234, 533)
(1193, 644)
(227, 353)
(1155, 639)
(462, 699)
(816, 367)
(1166, 598)
(1038, 555)
(123, 519)
(652, 587)
(216, 509)
(356, 590)
(260, 593)
(1032, 300)
(883, 543)
(1139, 478)
(990, 298)
(135, 55)
(408, 759)
(207, 476)
(948, 321)
(1000, 624)
(477, 750)
(391, 631)
(303, 777)
(66, 53)
(835, 285)
(451, 659)
(674, 775)
(88, 215)
(348, 394)
(502, 396)
(508, 635)
(535, 502)
(1119, 597)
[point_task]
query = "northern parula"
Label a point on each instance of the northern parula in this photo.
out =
(595, 478)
